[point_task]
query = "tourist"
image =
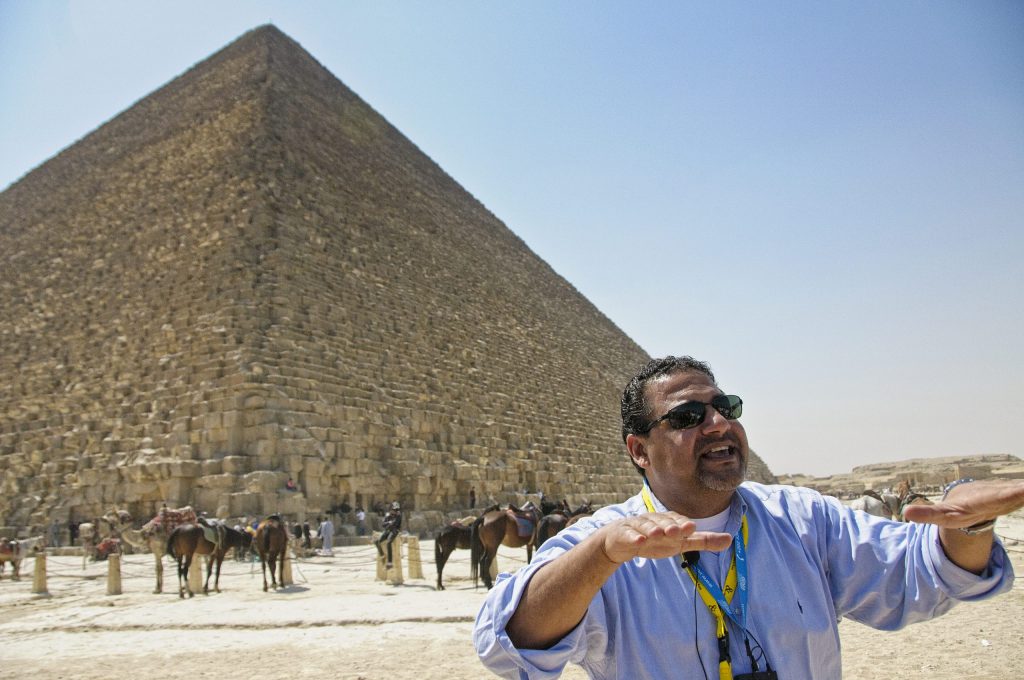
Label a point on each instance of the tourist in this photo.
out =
(290, 485)
(326, 532)
(55, 534)
(392, 525)
(360, 521)
(777, 566)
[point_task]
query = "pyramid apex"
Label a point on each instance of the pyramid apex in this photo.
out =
(263, 34)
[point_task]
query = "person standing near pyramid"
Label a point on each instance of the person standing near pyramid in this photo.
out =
(360, 521)
(704, 575)
(326, 532)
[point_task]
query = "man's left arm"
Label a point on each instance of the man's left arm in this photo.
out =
(967, 505)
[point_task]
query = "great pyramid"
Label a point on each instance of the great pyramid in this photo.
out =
(251, 275)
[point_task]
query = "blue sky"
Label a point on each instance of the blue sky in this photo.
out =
(823, 200)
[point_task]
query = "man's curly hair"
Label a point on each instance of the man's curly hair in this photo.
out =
(634, 407)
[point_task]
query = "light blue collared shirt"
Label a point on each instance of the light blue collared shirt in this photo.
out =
(810, 561)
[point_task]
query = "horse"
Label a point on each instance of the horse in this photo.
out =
(556, 521)
(455, 535)
(188, 540)
(154, 535)
(501, 527)
(577, 518)
(551, 507)
(271, 542)
(16, 551)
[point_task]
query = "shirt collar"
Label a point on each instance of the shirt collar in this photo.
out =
(737, 508)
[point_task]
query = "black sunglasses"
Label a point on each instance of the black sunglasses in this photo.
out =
(691, 413)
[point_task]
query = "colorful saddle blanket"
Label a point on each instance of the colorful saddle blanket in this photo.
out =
(170, 519)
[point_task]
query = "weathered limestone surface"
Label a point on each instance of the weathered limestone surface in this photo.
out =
(251, 275)
(923, 474)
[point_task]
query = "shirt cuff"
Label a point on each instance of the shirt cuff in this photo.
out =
(538, 664)
(964, 585)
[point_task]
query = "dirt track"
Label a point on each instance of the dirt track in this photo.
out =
(338, 622)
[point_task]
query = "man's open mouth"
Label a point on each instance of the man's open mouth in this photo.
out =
(720, 453)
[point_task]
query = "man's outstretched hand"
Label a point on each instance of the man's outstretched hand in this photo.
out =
(657, 535)
(971, 503)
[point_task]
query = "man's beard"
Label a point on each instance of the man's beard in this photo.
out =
(723, 480)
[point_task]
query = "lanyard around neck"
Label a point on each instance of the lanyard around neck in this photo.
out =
(713, 597)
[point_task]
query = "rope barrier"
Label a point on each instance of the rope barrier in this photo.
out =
(295, 566)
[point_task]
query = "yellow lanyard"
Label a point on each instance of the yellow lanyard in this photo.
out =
(724, 665)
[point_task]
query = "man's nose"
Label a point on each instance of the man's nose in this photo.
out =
(714, 421)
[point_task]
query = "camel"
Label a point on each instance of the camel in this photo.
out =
(91, 534)
(16, 551)
(908, 496)
(154, 535)
(884, 505)
(87, 537)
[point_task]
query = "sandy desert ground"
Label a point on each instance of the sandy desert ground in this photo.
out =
(337, 621)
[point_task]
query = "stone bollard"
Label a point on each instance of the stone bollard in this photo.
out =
(39, 576)
(195, 573)
(394, 574)
(415, 564)
(113, 574)
(286, 569)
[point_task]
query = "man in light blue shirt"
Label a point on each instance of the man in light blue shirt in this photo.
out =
(767, 571)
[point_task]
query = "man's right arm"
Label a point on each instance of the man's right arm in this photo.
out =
(557, 597)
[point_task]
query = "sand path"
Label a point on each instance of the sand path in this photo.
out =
(337, 621)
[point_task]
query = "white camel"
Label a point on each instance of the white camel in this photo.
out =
(880, 505)
(16, 551)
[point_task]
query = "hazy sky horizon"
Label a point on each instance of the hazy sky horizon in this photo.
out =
(824, 201)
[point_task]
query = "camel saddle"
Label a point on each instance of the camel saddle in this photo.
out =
(107, 546)
(171, 519)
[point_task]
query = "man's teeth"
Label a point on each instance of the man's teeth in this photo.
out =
(719, 451)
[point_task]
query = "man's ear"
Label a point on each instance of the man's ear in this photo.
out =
(637, 451)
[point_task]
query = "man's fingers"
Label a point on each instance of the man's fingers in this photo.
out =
(658, 535)
(707, 540)
(928, 514)
(944, 515)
